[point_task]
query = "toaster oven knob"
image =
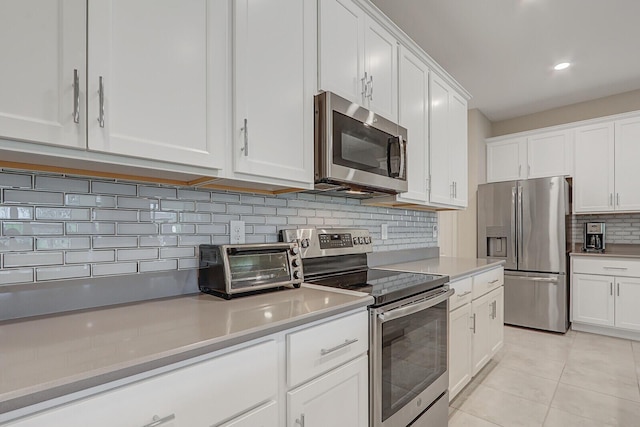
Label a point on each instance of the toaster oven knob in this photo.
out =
(295, 262)
(294, 250)
(296, 274)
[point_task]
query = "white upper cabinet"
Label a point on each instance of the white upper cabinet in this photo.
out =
(358, 57)
(275, 80)
(627, 169)
(594, 183)
(157, 79)
(550, 154)
(507, 160)
(448, 145)
(414, 116)
(43, 72)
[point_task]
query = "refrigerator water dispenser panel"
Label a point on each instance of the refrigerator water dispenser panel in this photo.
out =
(497, 247)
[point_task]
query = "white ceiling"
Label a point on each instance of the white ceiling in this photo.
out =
(503, 51)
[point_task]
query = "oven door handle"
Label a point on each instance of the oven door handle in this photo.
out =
(414, 308)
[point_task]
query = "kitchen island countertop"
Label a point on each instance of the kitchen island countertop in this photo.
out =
(51, 356)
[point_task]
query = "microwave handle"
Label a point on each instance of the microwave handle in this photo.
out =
(398, 173)
(403, 153)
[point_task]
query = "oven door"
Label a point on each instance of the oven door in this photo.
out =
(409, 346)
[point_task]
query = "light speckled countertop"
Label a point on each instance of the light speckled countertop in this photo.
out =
(455, 268)
(47, 357)
(611, 250)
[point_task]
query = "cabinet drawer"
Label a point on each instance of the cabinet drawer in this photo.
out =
(318, 349)
(463, 293)
(607, 266)
(487, 281)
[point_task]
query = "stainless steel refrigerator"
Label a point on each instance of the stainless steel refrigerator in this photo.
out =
(525, 224)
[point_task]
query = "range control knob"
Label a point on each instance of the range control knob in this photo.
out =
(295, 262)
(296, 274)
(294, 250)
(361, 240)
(355, 240)
(367, 240)
(304, 243)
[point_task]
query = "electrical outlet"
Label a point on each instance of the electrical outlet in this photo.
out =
(236, 231)
(435, 231)
(385, 231)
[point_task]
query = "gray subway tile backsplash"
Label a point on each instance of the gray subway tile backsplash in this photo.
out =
(96, 227)
(619, 228)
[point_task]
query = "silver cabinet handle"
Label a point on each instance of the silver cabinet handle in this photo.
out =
(615, 268)
(101, 101)
(519, 170)
(76, 96)
(474, 323)
(610, 199)
(618, 199)
(324, 352)
(365, 85)
(464, 294)
(495, 309)
(300, 421)
(611, 288)
(451, 192)
(494, 281)
(618, 288)
(245, 147)
(158, 421)
(371, 88)
(455, 189)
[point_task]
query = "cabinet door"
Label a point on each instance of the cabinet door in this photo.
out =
(627, 297)
(480, 327)
(203, 394)
(338, 398)
(381, 64)
(593, 300)
(458, 164)
(593, 184)
(273, 122)
(162, 69)
(507, 160)
(414, 115)
(550, 154)
(341, 49)
(441, 184)
(627, 153)
(496, 320)
(459, 349)
(42, 45)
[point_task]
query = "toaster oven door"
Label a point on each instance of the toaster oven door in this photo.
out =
(258, 270)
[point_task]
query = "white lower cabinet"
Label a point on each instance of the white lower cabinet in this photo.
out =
(476, 326)
(459, 349)
(246, 387)
(607, 301)
(339, 398)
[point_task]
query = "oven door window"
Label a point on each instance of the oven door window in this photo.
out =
(414, 355)
(258, 269)
(365, 148)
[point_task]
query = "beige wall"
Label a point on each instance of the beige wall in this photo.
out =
(458, 228)
(614, 104)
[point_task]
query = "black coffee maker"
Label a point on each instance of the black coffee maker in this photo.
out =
(593, 237)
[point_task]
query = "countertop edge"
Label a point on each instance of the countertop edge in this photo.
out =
(24, 398)
(475, 271)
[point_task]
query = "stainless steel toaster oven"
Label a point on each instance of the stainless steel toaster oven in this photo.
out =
(232, 270)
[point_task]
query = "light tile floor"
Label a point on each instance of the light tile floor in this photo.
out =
(551, 380)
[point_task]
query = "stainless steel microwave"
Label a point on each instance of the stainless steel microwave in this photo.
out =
(356, 148)
(232, 270)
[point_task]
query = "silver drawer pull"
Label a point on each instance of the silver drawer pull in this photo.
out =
(615, 268)
(494, 281)
(158, 421)
(464, 294)
(324, 351)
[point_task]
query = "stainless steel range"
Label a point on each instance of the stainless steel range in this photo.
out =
(408, 325)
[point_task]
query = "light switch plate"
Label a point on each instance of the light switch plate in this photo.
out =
(237, 232)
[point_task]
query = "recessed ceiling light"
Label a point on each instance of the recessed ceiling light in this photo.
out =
(562, 66)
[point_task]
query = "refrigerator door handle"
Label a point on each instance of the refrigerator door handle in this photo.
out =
(519, 230)
(513, 223)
